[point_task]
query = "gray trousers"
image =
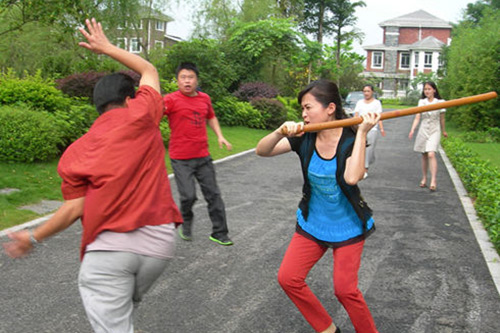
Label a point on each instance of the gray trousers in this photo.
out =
(112, 283)
(371, 141)
(201, 169)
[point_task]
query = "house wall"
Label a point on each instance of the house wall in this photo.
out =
(441, 34)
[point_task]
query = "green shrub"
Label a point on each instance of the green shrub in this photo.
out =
(74, 123)
(293, 109)
(168, 86)
(27, 136)
(232, 112)
(165, 131)
(34, 91)
(482, 181)
(273, 111)
(492, 135)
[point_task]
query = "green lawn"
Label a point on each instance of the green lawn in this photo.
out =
(40, 181)
(487, 151)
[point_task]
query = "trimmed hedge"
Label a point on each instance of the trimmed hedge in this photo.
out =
(27, 135)
(34, 91)
(232, 112)
(482, 181)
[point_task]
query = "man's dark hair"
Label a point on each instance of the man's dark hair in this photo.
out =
(112, 90)
(189, 66)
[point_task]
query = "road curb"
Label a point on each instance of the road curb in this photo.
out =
(42, 219)
(489, 253)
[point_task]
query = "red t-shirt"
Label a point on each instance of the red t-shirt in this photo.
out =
(187, 117)
(119, 167)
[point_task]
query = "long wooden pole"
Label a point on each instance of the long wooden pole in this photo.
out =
(400, 113)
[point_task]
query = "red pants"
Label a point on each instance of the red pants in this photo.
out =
(302, 254)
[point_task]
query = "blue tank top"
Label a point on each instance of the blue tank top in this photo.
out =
(331, 217)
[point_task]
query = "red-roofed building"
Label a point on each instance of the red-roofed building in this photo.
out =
(412, 44)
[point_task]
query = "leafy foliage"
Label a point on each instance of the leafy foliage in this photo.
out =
(472, 68)
(232, 112)
(250, 90)
(34, 91)
(216, 72)
(82, 84)
(273, 111)
(481, 181)
(27, 136)
(293, 109)
(74, 122)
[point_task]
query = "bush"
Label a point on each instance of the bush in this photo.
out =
(74, 123)
(232, 112)
(168, 86)
(33, 91)
(165, 131)
(273, 111)
(481, 181)
(27, 135)
(293, 109)
(411, 98)
(251, 90)
(82, 84)
(492, 135)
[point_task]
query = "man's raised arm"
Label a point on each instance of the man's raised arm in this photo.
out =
(97, 42)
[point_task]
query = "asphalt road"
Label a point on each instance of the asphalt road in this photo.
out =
(422, 270)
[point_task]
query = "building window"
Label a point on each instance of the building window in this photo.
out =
(440, 60)
(122, 26)
(404, 61)
(121, 43)
(416, 59)
(428, 60)
(377, 59)
(135, 45)
(403, 84)
(159, 44)
(139, 26)
(160, 25)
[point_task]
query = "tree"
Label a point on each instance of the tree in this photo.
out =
(263, 43)
(316, 18)
(343, 17)
(472, 67)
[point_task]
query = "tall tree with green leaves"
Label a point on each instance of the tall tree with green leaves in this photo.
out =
(343, 17)
(472, 67)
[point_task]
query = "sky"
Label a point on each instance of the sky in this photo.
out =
(369, 17)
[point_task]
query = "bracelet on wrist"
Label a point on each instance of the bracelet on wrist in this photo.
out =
(33, 240)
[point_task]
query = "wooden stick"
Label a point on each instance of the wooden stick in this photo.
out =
(400, 113)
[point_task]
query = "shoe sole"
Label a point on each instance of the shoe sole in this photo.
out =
(221, 242)
(184, 237)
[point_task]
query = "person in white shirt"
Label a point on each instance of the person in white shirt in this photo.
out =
(370, 105)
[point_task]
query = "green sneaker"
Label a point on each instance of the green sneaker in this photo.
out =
(222, 240)
(185, 236)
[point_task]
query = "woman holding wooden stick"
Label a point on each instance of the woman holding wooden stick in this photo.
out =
(429, 133)
(332, 213)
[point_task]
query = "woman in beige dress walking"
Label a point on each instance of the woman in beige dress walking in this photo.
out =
(429, 133)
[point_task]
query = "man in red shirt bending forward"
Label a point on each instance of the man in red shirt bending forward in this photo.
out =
(189, 111)
(114, 178)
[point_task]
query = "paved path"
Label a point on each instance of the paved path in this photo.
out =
(422, 270)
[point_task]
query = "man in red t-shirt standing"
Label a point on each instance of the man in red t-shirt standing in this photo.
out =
(114, 178)
(189, 111)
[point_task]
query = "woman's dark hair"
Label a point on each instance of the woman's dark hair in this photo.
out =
(112, 90)
(370, 86)
(325, 92)
(189, 66)
(433, 85)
